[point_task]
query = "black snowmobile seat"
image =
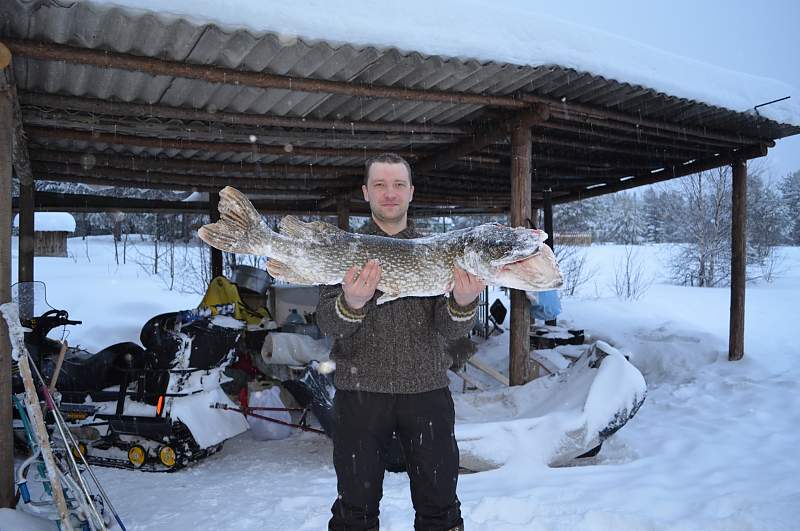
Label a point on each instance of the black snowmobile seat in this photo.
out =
(83, 373)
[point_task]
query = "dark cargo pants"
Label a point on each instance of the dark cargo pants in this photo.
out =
(363, 427)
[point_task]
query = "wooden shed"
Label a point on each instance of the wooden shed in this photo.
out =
(50, 232)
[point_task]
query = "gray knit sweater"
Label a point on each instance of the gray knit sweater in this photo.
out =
(397, 347)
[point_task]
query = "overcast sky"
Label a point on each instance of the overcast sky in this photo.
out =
(759, 38)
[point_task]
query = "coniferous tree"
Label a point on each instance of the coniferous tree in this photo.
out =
(765, 223)
(790, 189)
(653, 217)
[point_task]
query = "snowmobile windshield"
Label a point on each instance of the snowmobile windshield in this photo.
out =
(31, 298)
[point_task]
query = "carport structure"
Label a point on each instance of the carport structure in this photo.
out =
(105, 95)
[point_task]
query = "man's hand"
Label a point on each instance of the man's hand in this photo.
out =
(358, 287)
(466, 287)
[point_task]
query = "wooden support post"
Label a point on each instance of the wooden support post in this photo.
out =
(343, 212)
(738, 259)
(6, 437)
(548, 228)
(216, 254)
(519, 366)
(22, 167)
(548, 217)
(26, 247)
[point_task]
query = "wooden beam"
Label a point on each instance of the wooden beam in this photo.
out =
(58, 202)
(214, 74)
(548, 217)
(43, 51)
(91, 160)
(738, 259)
(26, 240)
(173, 129)
(497, 132)
(343, 212)
(216, 254)
(6, 171)
(148, 179)
(563, 111)
(665, 174)
(139, 110)
(636, 137)
(164, 143)
(589, 147)
(289, 194)
(519, 342)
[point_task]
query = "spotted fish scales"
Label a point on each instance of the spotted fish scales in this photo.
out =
(317, 253)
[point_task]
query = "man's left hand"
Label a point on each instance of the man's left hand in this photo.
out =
(466, 287)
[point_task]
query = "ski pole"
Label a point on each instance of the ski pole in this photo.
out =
(103, 493)
(84, 489)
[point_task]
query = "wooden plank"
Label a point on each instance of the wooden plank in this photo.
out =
(545, 363)
(235, 147)
(44, 51)
(6, 171)
(91, 160)
(667, 173)
(738, 259)
(484, 137)
(491, 371)
(519, 365)
(138, 110)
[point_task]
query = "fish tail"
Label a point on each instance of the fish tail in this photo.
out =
(240, 228)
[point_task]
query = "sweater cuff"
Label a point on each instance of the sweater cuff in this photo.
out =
(461, 313)
(346, 313)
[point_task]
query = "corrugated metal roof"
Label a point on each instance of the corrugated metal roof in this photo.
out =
(86, 25)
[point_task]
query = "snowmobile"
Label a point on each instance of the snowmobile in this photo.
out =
(141, 408)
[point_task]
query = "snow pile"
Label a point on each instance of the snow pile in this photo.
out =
(711, 448)
(550, 420)
(510, 32)
(12, 520)
(50, 222)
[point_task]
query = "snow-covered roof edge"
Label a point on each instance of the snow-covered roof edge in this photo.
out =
(51, 222)
(506, 34)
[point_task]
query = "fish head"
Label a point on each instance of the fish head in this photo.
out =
(515, 257)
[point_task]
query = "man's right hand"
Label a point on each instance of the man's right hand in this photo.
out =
(358, 287)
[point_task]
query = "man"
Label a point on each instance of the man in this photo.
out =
(391, 373)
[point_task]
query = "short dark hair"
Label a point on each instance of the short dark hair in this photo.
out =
(387, 158)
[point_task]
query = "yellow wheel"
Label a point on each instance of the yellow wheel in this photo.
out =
(137, 455)
(79, 451)
(167, 456)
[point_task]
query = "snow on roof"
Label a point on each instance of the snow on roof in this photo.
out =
(195, 197)
(51, 222)
(506, 33)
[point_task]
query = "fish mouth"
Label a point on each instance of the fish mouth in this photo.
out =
(535, 272)
(515, 257)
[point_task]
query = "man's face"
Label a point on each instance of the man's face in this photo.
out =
(388, 191)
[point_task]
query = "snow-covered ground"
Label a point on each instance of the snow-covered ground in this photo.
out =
(712, 448)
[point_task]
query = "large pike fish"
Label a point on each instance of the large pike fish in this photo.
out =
(318, 253)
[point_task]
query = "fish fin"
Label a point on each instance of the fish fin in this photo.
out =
(240, 228)
(285, 272)
(313, 230)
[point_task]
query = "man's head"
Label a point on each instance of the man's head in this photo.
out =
(388, 189)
